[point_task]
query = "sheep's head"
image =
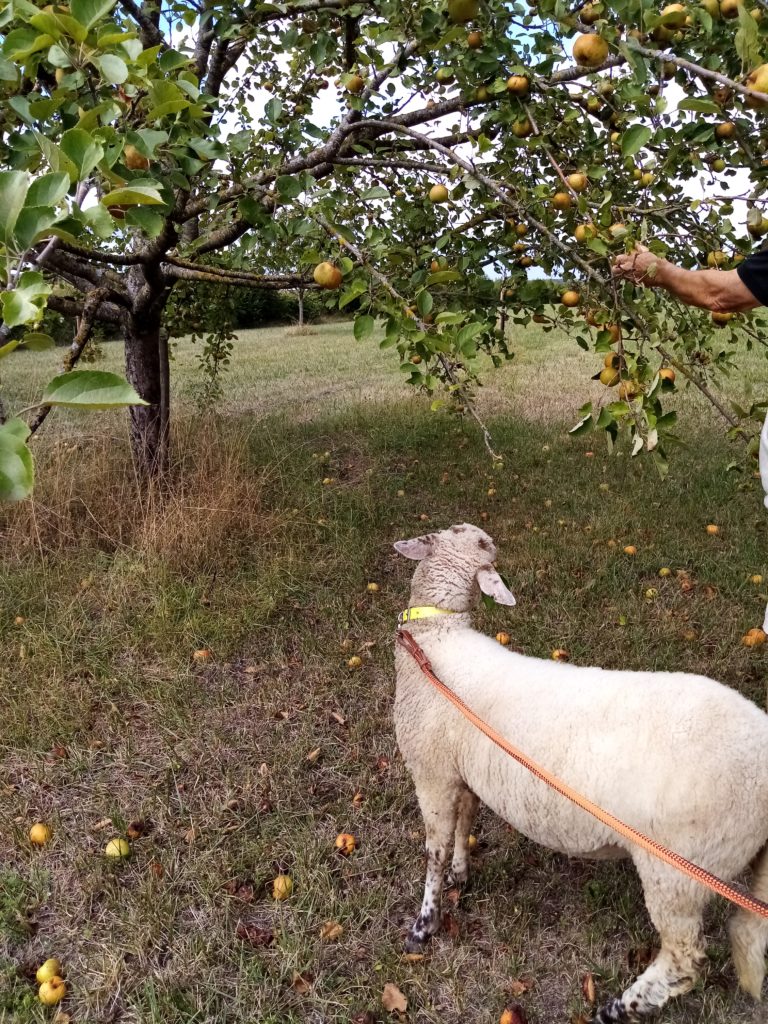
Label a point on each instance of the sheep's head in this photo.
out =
(454, 566)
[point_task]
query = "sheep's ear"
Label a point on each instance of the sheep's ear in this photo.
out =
(416, 548)
(494, 586)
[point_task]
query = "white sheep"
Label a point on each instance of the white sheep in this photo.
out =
(681, 757)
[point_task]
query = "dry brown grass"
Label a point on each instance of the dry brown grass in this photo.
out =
(88, 496)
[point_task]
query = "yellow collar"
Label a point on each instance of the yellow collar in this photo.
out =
(426, 612)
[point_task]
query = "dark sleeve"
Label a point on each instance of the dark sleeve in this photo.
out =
(754, 273)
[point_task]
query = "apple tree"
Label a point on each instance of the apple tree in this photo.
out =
(431, 161)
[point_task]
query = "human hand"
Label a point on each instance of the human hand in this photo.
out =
(637, 266)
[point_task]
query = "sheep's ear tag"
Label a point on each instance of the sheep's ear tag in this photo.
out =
(494, 589)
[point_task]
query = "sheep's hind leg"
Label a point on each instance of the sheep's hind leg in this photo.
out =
(467, 810)
(676, 905)
(439, 807)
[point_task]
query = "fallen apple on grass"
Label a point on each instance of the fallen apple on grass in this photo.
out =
(48, 970)
(40, 834)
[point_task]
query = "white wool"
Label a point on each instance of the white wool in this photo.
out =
(679, 756)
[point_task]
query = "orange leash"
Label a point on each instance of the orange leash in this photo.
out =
(737, 896)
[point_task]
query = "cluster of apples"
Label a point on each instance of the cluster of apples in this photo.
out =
(53, 988)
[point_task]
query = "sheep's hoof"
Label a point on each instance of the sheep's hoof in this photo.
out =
(612, 1013)
(456, 879)
(414, 944)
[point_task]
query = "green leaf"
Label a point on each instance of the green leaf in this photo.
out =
(90, 389)
(88, 12)
(98, 220)
(165, 98)
(13, 193)
(376, 192)
(273, 108)
(468, 332)
(598, 245)
(25, 303)
(150, 221)
(82, 149)
(33, 222)
(17, 427)
(444, 277)
(54, 156)
(48, 189)
(585, 423)
(113, 69)
(23, 42)
(37, 342)
(700, 106)
(171, 60)
(634, 138)
(356, 287)
(16, 466)
(364, 326)
(133, 195)
(747, 40)
(289, 186)
(8, 347)
(424, 303)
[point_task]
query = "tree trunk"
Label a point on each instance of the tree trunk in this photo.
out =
(146, 367)
(301, 307)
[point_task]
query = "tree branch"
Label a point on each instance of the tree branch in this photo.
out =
(83, 335)
(150, 32)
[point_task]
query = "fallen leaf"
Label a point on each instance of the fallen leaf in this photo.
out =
(521, 985)
(513, 1015)
(301, 983)
(382, 764)
(638, 959)
(588, 988)
(579, 1018)
(156, 869)
(61, 1017)
(453, 896)
(101, 824)
(450, 926)
(191, 835)
(254, 934)
(414, 958)
(61, 752)
(357, 799)
(338, 718)
(331, 931)
(137, 829)
(313, 755)
(364, 1017)
(393, 1000)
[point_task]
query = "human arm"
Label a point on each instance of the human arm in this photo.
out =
(722, 291)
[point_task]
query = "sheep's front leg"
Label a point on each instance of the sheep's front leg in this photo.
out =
(467, 810)
(439, 808)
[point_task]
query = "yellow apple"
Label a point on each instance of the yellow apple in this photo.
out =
(282, 887)
(117, 848)
(438, 194)
(327, 276)
(590, 51)
(40, 834)
(52, 992)
(50, 969)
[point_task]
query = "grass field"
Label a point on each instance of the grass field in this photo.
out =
(250, 764)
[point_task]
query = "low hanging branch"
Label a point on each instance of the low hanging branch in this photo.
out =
(598, 278)
(82, 336)
(387, 284)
